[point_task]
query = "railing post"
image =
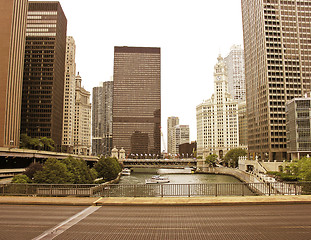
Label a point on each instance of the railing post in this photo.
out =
(269, 188)
(295, 188)
(161, 186)
(216, 189)
(189, 190)
(242, 188)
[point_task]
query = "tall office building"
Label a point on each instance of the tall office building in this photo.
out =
(180, 135)
(13, 15)
(277, 69)
(171, 123)
(69, 96)
(82, 121)
(137, 100)
(217, 118)
(236, 73)
(44, 71)
(102, 119)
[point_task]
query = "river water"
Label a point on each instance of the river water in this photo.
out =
(138, 176)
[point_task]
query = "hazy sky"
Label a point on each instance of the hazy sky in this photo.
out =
(190, 34)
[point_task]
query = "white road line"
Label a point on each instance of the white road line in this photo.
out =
(63, 226)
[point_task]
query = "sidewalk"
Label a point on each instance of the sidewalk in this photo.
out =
(157, 201)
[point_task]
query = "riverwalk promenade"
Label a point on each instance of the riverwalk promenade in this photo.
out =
(157, 201)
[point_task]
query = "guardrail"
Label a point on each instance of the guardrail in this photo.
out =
(157, 190)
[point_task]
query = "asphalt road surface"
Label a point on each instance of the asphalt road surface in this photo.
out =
(286, 222)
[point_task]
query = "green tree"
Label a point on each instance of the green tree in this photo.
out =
(232, 157)
(108, 168)
(25, 141)
(211, 160)
(54, 172)
(32, 169)
(301, 169)
(48, 144)
(21, 179)
(82, 174)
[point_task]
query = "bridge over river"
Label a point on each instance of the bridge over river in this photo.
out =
(159, 163)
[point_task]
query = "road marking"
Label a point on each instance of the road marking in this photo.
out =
(63, 226)
(95, 202)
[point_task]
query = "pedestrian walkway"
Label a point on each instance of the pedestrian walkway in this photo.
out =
(169, 201)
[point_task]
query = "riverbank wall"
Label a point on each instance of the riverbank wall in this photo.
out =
(241, 175)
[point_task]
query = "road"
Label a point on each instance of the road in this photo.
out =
(286, 222)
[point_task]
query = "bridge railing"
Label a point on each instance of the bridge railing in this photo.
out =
(157, 190)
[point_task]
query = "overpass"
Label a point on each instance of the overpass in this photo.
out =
(17, 153)
(159, 163)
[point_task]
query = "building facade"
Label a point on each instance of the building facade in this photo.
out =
(180, 135)
(102, 119)
(82, 123)
(137, 100)
(44, 71)
(277, 69)
(217, 118)
(69, 96)
(171, 123)
(13, 15)
(242, 117)
(236, 73)
(298, 127)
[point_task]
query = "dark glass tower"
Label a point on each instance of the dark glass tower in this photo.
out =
(137, 100)
(43, 85)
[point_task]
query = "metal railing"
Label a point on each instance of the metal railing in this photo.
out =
(157, 190)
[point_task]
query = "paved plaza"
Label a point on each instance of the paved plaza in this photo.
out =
(282, 221)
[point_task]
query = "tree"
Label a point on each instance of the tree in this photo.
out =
(211, 160)
(108, 168)
(25, 141)
(232, 157)
(54, 172)
(301, 169)
(82, 174)
(32, 169)
(21, 179)
(48, 143)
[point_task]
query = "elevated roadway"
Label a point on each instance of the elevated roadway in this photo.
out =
(37, 154)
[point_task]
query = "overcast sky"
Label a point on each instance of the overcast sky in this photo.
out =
(191, 34)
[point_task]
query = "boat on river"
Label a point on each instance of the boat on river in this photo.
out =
(126, 171)
(157, 179)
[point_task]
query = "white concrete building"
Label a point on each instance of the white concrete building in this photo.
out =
(180, 135)
(171, 123)
(82, 126)
(217, 118)
(236, 73)
(69, 96)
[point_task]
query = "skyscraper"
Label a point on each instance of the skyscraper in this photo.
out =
(277, 69)
(13, 15)
(69, 96)
(180, 135)
(44, 71)
(82, 121)
(171, 123)
(217, 118)
(236, 74)
(137, 100)
(102, 119)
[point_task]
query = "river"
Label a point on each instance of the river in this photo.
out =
(138, 176)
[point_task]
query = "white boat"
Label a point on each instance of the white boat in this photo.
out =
(157, 179)
(175, 170)
(126, 171)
